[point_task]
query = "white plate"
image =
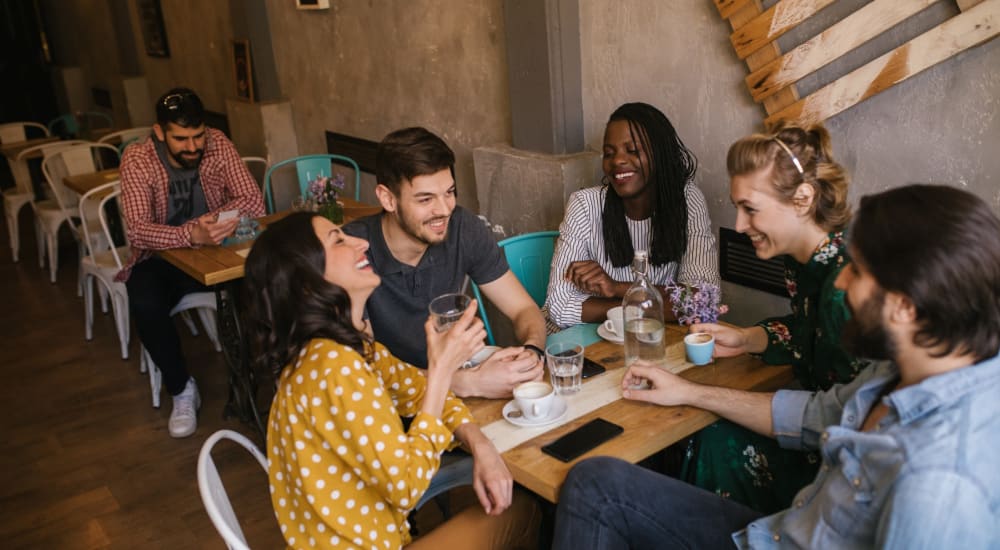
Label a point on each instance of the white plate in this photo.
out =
(558, 410)
(609, 336)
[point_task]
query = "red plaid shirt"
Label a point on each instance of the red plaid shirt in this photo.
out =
(224, 178)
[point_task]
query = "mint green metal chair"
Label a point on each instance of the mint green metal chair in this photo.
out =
(308, 168)
(72, 124)
(530, 259)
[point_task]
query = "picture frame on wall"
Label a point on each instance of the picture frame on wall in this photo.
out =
(312, 4)
(154, 34)
(243, 70)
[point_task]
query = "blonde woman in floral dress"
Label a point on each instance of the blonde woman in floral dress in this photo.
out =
(791, 200)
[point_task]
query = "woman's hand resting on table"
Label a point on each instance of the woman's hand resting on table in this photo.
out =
(591, 278)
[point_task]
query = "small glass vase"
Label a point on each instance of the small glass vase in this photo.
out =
(332, 211)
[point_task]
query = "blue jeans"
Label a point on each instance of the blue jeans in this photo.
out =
(607, 503)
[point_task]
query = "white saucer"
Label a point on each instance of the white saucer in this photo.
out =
(558, 410)
(609, 336)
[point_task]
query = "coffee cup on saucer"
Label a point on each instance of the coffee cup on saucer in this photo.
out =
(615, 324)
(534, 399)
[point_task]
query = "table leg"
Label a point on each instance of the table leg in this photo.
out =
(242, 400)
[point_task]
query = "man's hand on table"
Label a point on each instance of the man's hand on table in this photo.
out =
(207, 231)
(665, 387)
(497, 377)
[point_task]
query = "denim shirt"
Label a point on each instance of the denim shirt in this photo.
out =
(928, 476)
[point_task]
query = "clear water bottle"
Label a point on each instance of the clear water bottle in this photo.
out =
(643, 316)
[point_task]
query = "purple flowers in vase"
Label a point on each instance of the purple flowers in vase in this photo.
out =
(696, 303)
(324, 191)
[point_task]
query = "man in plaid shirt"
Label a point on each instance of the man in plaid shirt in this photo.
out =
(174, 186)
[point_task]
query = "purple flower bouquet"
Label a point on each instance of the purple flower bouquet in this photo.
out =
(324, 191)
(696, 303)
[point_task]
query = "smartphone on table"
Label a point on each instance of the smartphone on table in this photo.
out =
(590, 368)
(582, 439)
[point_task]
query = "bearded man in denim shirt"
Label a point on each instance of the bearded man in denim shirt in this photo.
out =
(909, 447)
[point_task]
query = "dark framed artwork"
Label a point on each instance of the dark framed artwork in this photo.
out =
(243, 70)
(312, 4)
(154, 35)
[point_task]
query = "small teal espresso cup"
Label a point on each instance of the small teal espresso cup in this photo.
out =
(699, 347)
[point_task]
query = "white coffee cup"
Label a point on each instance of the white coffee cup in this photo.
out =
(534, 399)
(616, 321)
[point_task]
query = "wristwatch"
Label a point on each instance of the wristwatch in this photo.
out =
(538, 351)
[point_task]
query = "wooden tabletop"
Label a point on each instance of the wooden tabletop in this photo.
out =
(211, 265)
(11, 150)
(81, 183)
(648, 428)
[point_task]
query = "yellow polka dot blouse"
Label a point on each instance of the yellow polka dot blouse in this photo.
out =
(343, 472)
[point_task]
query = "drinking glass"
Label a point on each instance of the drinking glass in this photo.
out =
(447, 309)
(245, 230)
(565, 361)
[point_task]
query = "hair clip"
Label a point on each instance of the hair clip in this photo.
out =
(795, 160)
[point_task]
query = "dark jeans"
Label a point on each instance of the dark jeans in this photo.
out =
(607, 503)
(154, 288)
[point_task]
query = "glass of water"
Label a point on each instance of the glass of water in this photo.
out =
(447, 309)
(246, 230)
(565, 361)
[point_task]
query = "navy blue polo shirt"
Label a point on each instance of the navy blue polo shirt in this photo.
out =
(397, 309)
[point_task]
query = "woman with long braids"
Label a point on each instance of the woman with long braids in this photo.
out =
(791, 200)
(647, 201)
(343, 471)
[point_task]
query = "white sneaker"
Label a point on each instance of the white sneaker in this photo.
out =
(184, 418)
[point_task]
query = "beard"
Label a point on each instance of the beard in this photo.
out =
(864, 334)
(415, 228)
(188, 163)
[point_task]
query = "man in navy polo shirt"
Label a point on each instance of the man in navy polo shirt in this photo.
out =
(424, 245)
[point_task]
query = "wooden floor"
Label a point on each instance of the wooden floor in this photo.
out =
(85, 461)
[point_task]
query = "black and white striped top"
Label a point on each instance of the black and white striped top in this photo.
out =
(581, 238)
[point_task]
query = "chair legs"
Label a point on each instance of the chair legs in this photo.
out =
(13, 203)
(155, 376)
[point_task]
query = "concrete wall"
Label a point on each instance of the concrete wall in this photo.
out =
(367, 68)
(940, 126)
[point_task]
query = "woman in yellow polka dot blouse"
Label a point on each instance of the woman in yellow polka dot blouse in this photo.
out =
(343, 472)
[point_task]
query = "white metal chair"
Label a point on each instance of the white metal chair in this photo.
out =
(22, 193)
(123, 138)
(213, 492)
(62, 204)
(205, 304)
(264, 165)
(13, 132)
(103, 266)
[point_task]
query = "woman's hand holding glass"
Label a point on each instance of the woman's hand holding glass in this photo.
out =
(448, 350)
(732, 341)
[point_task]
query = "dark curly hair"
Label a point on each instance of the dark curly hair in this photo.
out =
(288, 302)
(672, 167)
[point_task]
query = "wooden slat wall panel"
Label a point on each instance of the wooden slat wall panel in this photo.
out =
(773, 23)
(728, 7)
(972, 27)
(966, 4)
(851, 32)
(763, 56)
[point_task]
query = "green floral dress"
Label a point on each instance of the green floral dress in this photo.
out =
(752, 469)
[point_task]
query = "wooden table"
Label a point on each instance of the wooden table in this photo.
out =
(221, 267)
(648, 428)
(11, 150)
(211, 265)
(81, 183)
